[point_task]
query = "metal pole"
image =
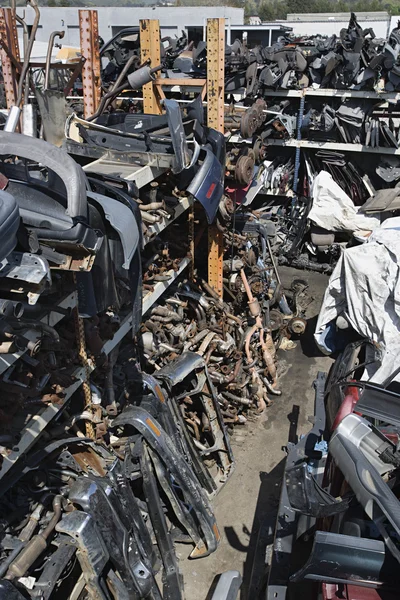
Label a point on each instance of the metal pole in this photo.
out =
(150, 48)
(91, 81)
(215, 119)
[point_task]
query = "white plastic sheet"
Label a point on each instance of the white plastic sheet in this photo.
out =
(333, 210)
(365, 288)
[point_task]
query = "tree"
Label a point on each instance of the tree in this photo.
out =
(280, 10)
(266, 11)
(300, 6)
(250, 9)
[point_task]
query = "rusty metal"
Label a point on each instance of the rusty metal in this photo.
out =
(23, 85)
(74, 75)
(91, 80)
(53, 36)
(253, 119)
(81, 343)
(215, 119)
(244, 170)
(150, 48)
(215, 73)
(9, 48)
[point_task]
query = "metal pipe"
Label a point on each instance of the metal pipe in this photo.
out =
(205, 343)
(238, 399)
(7, 562)
(53, 35)
(269, 387)
(37, 325)
(34, 519)
(268, 359)
(27, 56)
(57, 505)
(35, 546)
(197, 338)
(152, 206)
(148, 218)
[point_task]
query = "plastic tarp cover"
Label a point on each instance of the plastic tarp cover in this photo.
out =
(365, 289)
(332, 209)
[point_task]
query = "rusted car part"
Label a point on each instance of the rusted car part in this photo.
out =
(253, 119)
(23, 89)
(73, 227)
(239, 355)
(194, 404)
(238, 337)
(162, 257)
(176, 469)
(240, 164)
(155, 140)
(107, 511)
(52, 102)
(95, 521)
(289, 525)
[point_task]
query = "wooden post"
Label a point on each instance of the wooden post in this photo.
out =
(215, 119)
(9, 53)
(91, 79)
(150, 49)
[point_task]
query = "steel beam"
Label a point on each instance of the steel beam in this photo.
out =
(150, 48)
(91, 80)
(215, 119)
(9, 53)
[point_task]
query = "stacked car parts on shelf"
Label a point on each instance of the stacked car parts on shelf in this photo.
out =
(111, 449)
(103, 493)
(296, 134)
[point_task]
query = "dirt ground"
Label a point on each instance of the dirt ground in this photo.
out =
(246, 507)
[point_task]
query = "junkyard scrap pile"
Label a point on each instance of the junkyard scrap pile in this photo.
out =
(143, 317)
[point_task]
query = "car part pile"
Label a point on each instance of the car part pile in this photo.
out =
(119, 400)
(341, 486)
(238, 337)
(357, 59)
(89, 511)
(90, 517)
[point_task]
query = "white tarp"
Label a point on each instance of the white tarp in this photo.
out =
(333, 210)
(365, 288)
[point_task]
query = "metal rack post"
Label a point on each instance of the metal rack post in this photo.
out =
(91, 79)
(298, 137)
(9, 54)
(150, 48)
(215, 119)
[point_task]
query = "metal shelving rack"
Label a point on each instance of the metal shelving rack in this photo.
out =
(142, 175)
(39, 421)
(299, 144)
(333, 93)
